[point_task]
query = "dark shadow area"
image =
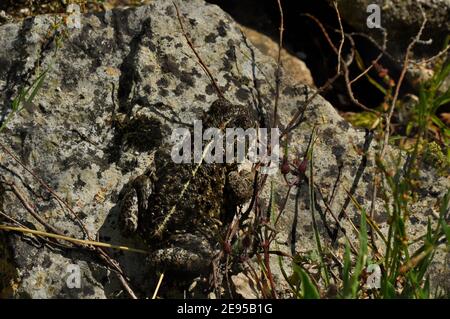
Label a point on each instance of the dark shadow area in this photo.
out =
(304, 39)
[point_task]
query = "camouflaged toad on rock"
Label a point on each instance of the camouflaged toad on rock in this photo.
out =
(183, 210)
(137, 60)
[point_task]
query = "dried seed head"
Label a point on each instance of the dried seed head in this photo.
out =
(285, 166)
(227, 247)
(246, 241)
(302, 166)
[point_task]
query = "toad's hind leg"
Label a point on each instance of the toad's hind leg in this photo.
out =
(185, 253)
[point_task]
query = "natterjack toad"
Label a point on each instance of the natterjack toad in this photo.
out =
(182, 210)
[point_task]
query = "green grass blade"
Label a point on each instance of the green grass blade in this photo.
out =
(308, 288)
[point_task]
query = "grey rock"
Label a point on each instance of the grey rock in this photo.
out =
(402, 20)
(131, 63)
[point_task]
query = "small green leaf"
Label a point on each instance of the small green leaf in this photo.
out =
(308, 289)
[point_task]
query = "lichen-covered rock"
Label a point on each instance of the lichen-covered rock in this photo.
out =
(402, 20)
(136, 63)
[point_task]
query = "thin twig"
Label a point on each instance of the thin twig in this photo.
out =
(30, 209)
(341, 44)
(191, 45)
(155, 294)
(425, 61)
(278, 70)
(70, 239)
(400, 81)
(50, 190)
(377, 59)
(343, 66)
(102, 254)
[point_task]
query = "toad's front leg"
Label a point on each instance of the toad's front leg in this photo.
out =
(135, 202)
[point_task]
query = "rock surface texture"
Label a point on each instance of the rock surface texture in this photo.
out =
(135, 64)
(295, 68)
(402, 20)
